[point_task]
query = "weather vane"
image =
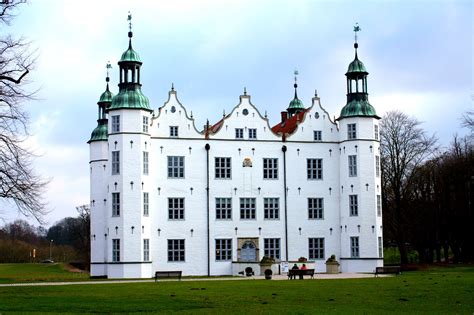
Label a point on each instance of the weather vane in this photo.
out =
(296, 74)
(108, 66)
(129, 19)
(356, 29)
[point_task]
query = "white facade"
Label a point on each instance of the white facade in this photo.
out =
(293, 215)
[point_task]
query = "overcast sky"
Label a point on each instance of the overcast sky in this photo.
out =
(418, 53)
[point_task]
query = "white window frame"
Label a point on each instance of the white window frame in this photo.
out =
(174, 131)
(379, 205)
(272, 247)
(351, 131)
(380, 243)
(317, 135)
(223, 167)
(145, 124)
(116, 250)
(223, 208)
(145, 163)
(352, 162)
(115, 204)
(271, 208)
(314, 169)
(377, 166)
(146, 249)
(355, 247)
(353, 205)
(176, 250)
(248, 208)
(176, 207)
(223, 249)
(316, 248)
(239, 133)
(175, 166)
(146, 204)
(115, 162)
(252, 133)
(376, 132)
(115, 123)
(270, 168)
(315, 208)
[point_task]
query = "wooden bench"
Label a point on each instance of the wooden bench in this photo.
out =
(168, 274)
(387, 270)
(292, 273)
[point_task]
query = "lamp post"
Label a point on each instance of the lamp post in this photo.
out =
(50, 250)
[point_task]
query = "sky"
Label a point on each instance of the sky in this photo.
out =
(419, 55)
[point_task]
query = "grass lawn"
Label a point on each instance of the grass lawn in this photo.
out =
(14, 273)
(442, 290)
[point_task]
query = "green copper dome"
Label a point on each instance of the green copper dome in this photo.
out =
(358, 108)
(130, 55)
(100, 132)
(106, 97)
(356, 66)
(130, 99)
(296, 104)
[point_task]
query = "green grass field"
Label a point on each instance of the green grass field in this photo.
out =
(15, 273)
(441, 290)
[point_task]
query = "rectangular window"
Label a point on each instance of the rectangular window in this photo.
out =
(115, 162)
(353, 205)
(376, 132)
(176, 208)
(316, 248)
(145, 163)
(317, 135)
(239, 133)
(173, 131)
(351, 131)
(115, 250)
(175, 250)
(146, 249)
(223, 167)
(175, 166)
(314, 168)
(379, 205)
(145, 124)
(272, 247)
(380, 247)
(355, 247)
(271, 208)
(270, 168)
(146, 204)
(252, 133)
(223, 249)
(315, 208)
(223, 208)
(247, 208)
(116, 123)
(377, 166)
(352, 165)
(115, 204)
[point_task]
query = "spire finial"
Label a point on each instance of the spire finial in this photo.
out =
(172, 86)
(108, 66)
(315, 93)
(296, 82)
(356, 29)
(245, 90)
(130, 34)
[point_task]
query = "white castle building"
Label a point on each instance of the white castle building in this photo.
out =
(167, 196)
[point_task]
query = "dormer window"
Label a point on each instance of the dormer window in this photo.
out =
(317, 135)
(174, 131)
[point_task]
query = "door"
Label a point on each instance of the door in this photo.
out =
(248, 252)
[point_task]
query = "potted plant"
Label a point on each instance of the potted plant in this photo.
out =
(249, 271)
(332, 266)
(268, 274)
(266, 263)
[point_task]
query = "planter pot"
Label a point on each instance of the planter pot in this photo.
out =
(332, 267)
(263, 268)
(268, 277)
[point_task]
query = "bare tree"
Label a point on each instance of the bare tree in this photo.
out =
(18, 182)
(404, 147)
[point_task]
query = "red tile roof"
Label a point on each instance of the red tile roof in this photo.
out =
(289, 126)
